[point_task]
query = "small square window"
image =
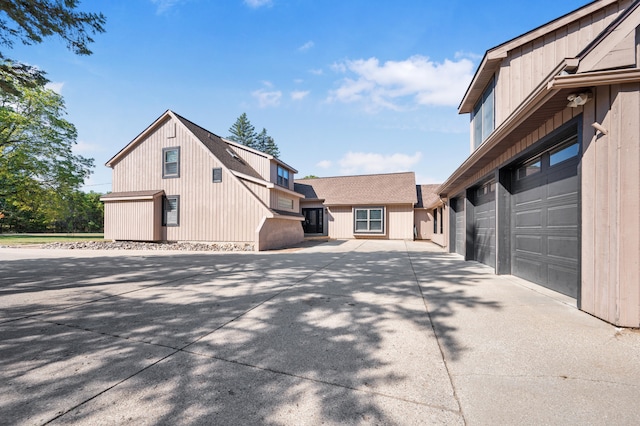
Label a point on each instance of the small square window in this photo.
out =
(171, 162)
(217, 174)
(564, 154)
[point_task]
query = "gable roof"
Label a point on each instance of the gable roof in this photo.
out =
(427, 195)
(493, 57)
(392, 188)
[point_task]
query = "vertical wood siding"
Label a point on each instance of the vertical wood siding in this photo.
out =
(259, 163)
(225, 211)
(132, 220)
(424, 224)
(340, 222)
(526, 66)
(611, 206)
(400, 222)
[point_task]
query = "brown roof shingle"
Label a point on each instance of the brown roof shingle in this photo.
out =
(427, 195)
(220, 149)
(392, 188)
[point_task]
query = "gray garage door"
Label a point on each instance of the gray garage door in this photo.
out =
(545, 226)
(459, 226)
(484, 224)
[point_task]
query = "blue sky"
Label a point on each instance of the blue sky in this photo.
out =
(343, 86)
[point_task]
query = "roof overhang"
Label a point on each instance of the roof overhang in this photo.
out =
(493, 57)
(132, 195)
(549, 98)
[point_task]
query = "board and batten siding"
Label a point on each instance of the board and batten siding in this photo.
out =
(423, 219)
(340, 222)
(611, 206)
(259, 163)
(526, 66)
(219, 212)
(136, 220)
(400, 222)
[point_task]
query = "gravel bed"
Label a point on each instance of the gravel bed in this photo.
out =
(134, 245)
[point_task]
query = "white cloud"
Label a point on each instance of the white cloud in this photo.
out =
(324, 164)
(397, 85)
(369, 162)
(55, 86)
(164, 5)
(316, 72)
(308, 45)
(298, 95)
(267, 98)
(84, 147)
(254, 4)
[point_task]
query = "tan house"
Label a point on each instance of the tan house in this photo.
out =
(179, 182)
(551, 190)
(365, 206)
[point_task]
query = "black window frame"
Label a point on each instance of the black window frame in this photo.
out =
(368, 220)
(166, 175)
(479, 129)
(216, 171)
(282, 180)
(165, 202)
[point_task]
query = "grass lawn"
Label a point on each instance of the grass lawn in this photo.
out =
(19, 239)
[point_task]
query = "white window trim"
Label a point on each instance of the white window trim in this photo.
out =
(368, 231)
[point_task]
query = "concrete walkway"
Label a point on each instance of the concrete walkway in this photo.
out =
(345, 332)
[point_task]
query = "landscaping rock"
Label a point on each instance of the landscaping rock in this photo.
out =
(135, 245)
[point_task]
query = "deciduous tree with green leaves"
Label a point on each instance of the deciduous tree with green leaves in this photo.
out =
(37, 163)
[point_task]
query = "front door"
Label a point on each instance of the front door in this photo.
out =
(313, 220)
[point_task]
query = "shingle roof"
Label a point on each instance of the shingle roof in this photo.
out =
(220, 149)
(427, 195)
(392, 188)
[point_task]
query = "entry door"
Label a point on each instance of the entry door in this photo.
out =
(313, 221)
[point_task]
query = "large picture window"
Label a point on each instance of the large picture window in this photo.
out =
(483, 118)
(171, 211)
(171, 162)
(283, 176)
(368, 220)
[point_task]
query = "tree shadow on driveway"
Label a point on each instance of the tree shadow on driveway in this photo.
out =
(276, 338)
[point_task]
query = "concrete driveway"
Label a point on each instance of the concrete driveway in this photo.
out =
(345, 332)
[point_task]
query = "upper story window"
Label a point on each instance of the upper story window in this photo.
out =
(483, 117)
(171, 162)
(283, 176)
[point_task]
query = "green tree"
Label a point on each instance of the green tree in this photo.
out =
(37, 164)
(266, 144)
(29, 22)
(243, 132)
(310, 177)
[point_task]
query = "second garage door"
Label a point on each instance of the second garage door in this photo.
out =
(484, 224)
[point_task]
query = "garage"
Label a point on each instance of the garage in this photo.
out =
(545, 218)
(484, 223)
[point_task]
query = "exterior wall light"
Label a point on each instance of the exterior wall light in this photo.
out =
(578, 99)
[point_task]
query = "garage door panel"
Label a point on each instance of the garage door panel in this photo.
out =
(563, 216)
(562, 247)
(564, 277)
(529, 269)
(461, 232)
(529, 243)
(484, 224)
(529, 219)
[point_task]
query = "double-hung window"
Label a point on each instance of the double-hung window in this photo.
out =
(283, 176)
(368, 220)
(171, 162)
(483, 117)
(171, 211)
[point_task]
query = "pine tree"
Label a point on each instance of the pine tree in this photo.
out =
(243, 132)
